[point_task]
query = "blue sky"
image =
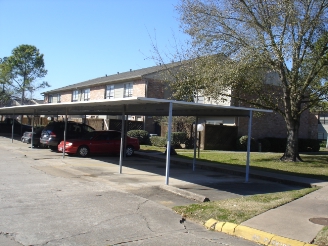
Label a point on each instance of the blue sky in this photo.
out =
(86, 39)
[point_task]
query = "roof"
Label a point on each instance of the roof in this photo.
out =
(130, 106)
(132, 74)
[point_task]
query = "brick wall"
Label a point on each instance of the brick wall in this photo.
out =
(273, 125)
(155, 89)
(66, 96)
(139, 88)
(97, 92)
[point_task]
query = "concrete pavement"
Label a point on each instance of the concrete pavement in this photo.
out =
(288, 224)
(46, 200)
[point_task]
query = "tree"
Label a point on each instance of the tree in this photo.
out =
(263, 38)
(26, 66)
(5, 93)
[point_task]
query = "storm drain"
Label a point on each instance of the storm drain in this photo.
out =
(319, 221)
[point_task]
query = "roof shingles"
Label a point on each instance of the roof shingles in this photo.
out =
(132, 74)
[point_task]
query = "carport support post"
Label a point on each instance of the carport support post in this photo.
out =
(32, 129)
(168, 145)
(12, 129)
(64, 147)
(122, 138)
(249, 144)
(195, 143)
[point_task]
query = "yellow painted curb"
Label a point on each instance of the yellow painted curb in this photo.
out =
(253, 234)
(210, 223)
(277, 241)
(229, 228)
(219, 225)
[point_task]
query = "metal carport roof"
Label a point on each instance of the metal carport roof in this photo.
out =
(139, 106)
(132, 105)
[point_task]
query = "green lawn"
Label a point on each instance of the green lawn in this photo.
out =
(313, 165)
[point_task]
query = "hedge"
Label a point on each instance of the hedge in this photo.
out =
(241, 144)
(142, 135)
(158, 141)
(178, 138)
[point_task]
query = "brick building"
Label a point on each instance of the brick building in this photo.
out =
(149, 82)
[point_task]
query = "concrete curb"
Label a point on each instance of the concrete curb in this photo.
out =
(252, 234)
(184, 193)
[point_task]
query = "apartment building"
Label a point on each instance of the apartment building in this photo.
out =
(150, 82)
(147, 82)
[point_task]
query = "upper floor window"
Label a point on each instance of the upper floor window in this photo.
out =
(58, 98)
(86, 94)
(128, 89)
(75, 96)
(50, 99)
(109, 92)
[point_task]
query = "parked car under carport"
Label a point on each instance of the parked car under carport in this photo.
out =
(99, 142)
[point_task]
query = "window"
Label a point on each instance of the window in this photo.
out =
(50, 99)
(75, 96)
(58, 98)
(128, 89)
(86, 94)
(109, 92)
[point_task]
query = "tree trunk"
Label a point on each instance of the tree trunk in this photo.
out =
(291, 152)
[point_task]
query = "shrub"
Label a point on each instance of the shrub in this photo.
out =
(323, 143)
(142, 136)
(189, 143)
(241, 144)
(178, 138)
(158, 141)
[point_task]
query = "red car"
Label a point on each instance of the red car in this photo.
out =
(99, 142)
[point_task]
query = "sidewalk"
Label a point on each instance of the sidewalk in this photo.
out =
(292, 220)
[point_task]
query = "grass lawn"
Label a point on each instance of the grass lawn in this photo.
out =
(237, 210)
(315, 165)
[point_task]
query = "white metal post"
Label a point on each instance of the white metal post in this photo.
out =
(249, 144)
(12, 130)
(195, 144)
(168, 145)
(32, 129)
(65, 131)
(122, 139)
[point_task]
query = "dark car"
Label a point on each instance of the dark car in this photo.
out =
(99, 142)
(27, 136)
(53, 133)
(7, 124)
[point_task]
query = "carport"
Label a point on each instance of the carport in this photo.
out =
(139, 106)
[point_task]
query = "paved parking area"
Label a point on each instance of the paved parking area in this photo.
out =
(143, 177)
(49, 201)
